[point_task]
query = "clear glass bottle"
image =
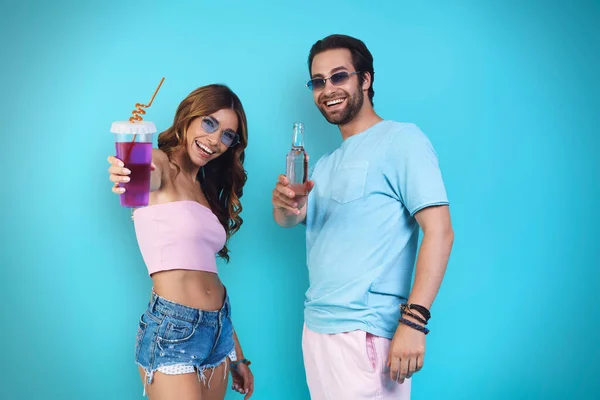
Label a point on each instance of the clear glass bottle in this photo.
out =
(297, 161)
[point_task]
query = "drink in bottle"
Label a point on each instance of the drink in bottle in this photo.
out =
(297, 161)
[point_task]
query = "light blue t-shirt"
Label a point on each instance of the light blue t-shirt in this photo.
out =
(361, 234)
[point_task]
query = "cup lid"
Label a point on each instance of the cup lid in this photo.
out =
(140, 127)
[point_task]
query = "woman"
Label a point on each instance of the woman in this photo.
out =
(186, 343)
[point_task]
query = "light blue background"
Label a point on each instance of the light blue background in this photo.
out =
(506, 90)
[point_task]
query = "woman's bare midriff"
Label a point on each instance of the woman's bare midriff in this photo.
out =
(197, 289)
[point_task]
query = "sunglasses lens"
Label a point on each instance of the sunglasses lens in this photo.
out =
(316, 84)
(339, 78)
(210, 124)
(228, 138)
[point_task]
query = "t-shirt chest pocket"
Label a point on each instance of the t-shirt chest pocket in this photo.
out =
(349, 182)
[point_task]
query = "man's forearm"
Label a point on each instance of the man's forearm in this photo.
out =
(431, 266)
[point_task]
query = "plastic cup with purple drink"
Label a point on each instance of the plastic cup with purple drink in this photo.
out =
(133, 142)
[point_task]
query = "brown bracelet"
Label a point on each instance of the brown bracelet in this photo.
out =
(408, 309)
(411, 314)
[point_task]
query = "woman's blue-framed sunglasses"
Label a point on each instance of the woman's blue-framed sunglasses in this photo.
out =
(228, 137)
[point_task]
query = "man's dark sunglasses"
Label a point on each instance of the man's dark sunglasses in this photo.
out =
(228, 137)
(339, 78)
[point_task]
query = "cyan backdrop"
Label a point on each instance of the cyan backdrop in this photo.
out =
(506, 90)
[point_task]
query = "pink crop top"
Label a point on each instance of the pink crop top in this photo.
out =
(179, 235)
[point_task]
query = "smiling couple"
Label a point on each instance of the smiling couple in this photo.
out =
(366, 202)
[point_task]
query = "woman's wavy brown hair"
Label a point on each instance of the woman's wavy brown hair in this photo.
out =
(222, 179)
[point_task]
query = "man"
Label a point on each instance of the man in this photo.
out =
(364, 333)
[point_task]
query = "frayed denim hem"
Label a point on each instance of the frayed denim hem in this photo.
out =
(200, 370)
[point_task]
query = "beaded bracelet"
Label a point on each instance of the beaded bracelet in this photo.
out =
(413, 325)
(243, 360)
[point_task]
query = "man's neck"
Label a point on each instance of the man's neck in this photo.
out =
(365, 119)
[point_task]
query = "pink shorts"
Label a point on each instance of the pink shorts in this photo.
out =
(349, 366)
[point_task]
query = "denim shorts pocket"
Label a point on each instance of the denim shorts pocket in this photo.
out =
(177, 331)
(349, 182)
(142, 325)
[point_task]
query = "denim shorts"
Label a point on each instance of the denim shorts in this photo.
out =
(173, 336)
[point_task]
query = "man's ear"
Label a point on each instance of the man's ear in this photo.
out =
(366, 80)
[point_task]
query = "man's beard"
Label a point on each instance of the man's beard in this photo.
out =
(350, 111)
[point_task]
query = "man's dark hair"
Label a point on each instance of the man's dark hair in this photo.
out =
(362, 60)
